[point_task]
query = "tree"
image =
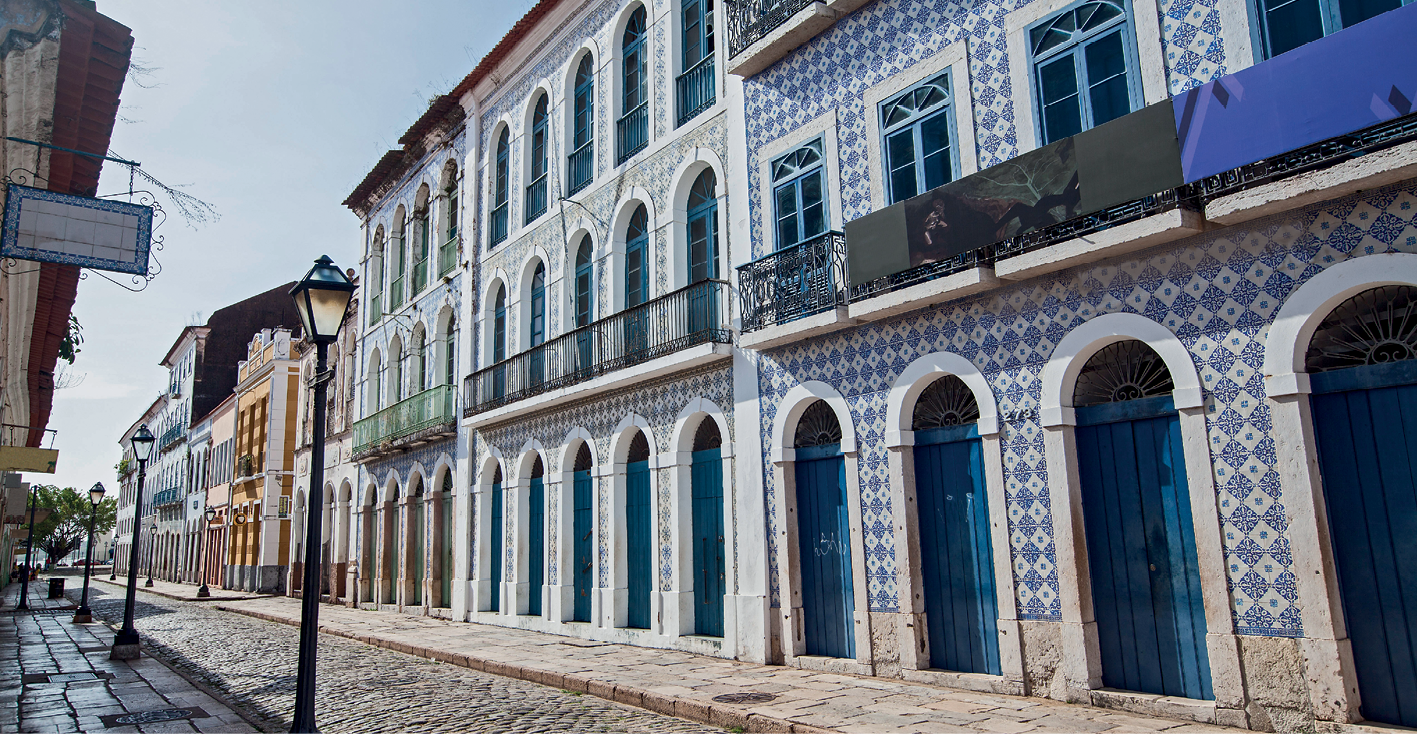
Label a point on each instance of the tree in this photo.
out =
(68, 523)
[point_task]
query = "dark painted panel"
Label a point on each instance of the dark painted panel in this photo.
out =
(583, 565)
(639, 543)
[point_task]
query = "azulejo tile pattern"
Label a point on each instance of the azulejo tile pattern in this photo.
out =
(886, 37)
(658, 402)
(1217, 292)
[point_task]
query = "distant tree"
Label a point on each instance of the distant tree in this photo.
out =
(68, 523)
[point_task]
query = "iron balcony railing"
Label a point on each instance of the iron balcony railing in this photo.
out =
(448, 256)
(751, 20)
(499, 223)
(696, 89)
(794, 282)
(376, 310)
(171, 436)
(166, 497)
(396, 293)
(687, 317)
(580, 167)
(536, 198)
(420, 275)
(432, 407)
(632, 132)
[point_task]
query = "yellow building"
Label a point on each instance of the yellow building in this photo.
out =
(267, 388)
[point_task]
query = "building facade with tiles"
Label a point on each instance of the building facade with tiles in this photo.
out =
(1081, 455)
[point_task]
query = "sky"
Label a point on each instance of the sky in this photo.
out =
(272, 112)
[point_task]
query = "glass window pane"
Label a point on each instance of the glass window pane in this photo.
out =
(1292, 24)
(813, 209)
(900, 162)
(1057, 83)
(787, 215)
(634, 276)
(1107, 78)
(1352, 12)
(935, 144)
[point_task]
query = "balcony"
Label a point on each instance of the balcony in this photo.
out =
(580, 166)
(167, 497)
(632, 132)
(171, 436)
(793, 284)
(396, 293)
(762, 31)
(499, 223)
(246, 467)
(696, 90)
(536, 199)
(448, 256)
(677, 321)
(420, 274)
(413, 421)
(376, 308)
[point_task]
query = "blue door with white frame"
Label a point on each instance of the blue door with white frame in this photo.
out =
(639, 533)
(496, 545)
(536, 542)
(1364, 381)
(824, 535)
(582, 533)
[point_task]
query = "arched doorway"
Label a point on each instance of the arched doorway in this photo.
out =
(445, 545)
(582, 524)
(417, 568)
(639, 533)
(824, 534)
(396, 536)
(1363, 366)
(706, 490)
(1146, 586)
(956, 557)
(365, 570)
(497, 545)
(536, 538)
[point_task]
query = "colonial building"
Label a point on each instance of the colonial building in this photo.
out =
(1076, 321)
(258, 551)
(413, 282)
(130, 514)
(216, 491)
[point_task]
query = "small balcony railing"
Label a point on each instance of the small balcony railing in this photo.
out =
(794, 282)
(396, 293)
(580, 167)
(696, 89)
(376, 308)
(536, 199)
(171, 436)
(499, 223)
(448, 256)
(687, 317)
(420, 275)
(751, 20)
(432, 407)
(246, 466)
(632, 132)
(167, 497)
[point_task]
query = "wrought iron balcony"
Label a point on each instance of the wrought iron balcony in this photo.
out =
(499, 223)
(448, 256)
(687, 317)
(405, 419)
(751, 20)
(696, 89)
(536, 199)
(794, 282)
(580, 167)
(171, 436)
(376, 308)
(632, 132)
(246, 466)
(396, 293)
(167, 497)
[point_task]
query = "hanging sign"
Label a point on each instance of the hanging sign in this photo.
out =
(47, 226)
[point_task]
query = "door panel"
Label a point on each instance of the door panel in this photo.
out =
(1141, 550)
(536, 546)
(639, 539)
(706, 477)
(582, 522)
(957, 561)
(824, 547)
(496, 548)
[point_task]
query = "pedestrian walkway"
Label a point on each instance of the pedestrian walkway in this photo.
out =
(55, 676)
(694, 687)
(181, 592)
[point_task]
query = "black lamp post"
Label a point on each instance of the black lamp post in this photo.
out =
(29, 553)
(322, 298)
(202, 591)
(83, 614)
(125, 643)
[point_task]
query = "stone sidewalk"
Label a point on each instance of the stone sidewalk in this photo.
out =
(55, 676)
(685, 685)
(178, 592)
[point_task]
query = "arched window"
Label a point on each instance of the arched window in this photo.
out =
(448, 250)
(395, 372)
(396, 253)
(500, 188)
(633, 125)
(419, 373)
(585, 284)
(636, 269)
(450, 353)
(376, 277)
(537, 324)
(696, 84)
(536, 190)
(703, 229)
(421, 240)
(499, 325)
(580, 164)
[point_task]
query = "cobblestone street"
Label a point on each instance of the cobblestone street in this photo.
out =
(360, 688)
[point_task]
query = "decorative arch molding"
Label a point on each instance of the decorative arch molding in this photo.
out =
(919, 375)
(528, 105)
(619, 453)
(346, 492)
(489, 464)
(688, 170)
(615, 243)
(790, 410)
(682, 439)
(371, 491)
(1308, 305)
(677, 217)
(569, 448)
(1071, 355)
(625, 207)
(390, 485)
(526, 458)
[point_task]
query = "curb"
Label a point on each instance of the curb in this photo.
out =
(696, 711)
(178, 597)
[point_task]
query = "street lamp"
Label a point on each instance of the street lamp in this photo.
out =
(84, 615)
(29, 554)
(125, 643)
(322, 298)
(202, 591)
(152, 549)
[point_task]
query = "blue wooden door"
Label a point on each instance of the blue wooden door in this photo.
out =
(706, 479)
(824, 550)
(496, 551)
(416, 541)
(957, 561)
(1146, 587)
(445, 559)
(639, 539)
(1366, 426)
(536, 545)
(582, 524)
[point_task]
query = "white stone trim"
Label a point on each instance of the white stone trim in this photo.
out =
(823, 127)
(920, 374)
(790, 410)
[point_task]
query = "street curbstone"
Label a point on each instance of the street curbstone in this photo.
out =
(767, 725)
(630, 696)
(659, 703)
(692, 710)
(601, 689)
